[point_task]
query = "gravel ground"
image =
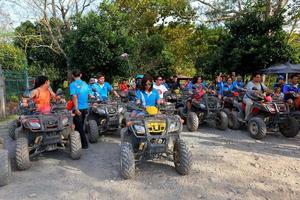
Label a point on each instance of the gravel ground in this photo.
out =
(227, 165)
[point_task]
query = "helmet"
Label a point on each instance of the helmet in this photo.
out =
(152, 110)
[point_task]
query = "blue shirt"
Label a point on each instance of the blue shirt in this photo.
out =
(82, 91)
(148, 99)
(220, 85)
(290, 88)
(103, 90)
(238, 84)
(227, 89)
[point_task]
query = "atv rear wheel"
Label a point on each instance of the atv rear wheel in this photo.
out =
(289, 128)
(127, 161)
(257, 128)
(192, 121)
(22, 154)
(222, 120)
(5, 168)
(233, 121)
(93, 131)
(182, 157)
(12, 126)
(75, 145)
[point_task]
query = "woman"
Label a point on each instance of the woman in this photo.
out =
(147, 95)
(42, 94)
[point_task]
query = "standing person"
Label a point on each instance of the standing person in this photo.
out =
(253, 86)
(123, 86)
(104, 88)
(159, 86)
(79, 90)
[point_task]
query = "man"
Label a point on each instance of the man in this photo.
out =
(79, 90)
(104, 88)
(279, 82)
(253, 86)
(289, 89)
(238, 83)
(159, 86)
(228, 88)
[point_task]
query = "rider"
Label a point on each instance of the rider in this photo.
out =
(42, 94)
(290, 88)
(146, 95)
(238, 83)
(253, 86)
(228, 88)
(159, 86)
(103, 88)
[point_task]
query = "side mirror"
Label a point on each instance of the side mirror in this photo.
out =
(59, 91)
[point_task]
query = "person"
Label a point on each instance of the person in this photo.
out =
(174, 82)
(146, 95)
(228, 88)
(92, 82)
(290, 88)
(255, 85)
(238, 83)
(279, 82)
(159, 86)
(104, 88)
(212, 88)
(164, 82)
(123, 86)
(42, 94)
(278, 94)
(80, 91)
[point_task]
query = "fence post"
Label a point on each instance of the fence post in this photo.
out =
(2, 94)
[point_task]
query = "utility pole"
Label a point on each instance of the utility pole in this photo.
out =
(2, 94)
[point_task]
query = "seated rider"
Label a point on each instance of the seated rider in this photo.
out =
(42, 94)
(146, 95)
(291, 91)
(228, 88)
(103, 88)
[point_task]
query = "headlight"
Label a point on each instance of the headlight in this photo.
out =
(202, 106)
(65, 121)
(139, 129)
(173, 127)
(34, 124)
(120, 109)
(101, 111)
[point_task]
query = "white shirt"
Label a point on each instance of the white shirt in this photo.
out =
(161, 90)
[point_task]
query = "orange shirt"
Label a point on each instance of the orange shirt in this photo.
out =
(42, 101)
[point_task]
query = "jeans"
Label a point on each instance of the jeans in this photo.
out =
(79, 123)
(249, 104)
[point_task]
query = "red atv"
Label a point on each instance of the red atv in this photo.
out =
(266, 116)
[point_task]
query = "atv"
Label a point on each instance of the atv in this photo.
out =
(40, 133)
(229, 103)
(153, 136)
(266, 116)
(207, 109)
(5, 166)
(103, 116)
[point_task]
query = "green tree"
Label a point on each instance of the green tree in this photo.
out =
(12, 58)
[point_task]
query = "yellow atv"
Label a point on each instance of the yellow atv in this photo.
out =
(153, 136)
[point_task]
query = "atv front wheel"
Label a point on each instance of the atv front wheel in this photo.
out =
(75, 145)
(257, 128)
(22, 154)
(93, 131)
(12, 126)
(289, 128)
(222, 120)
(192, 121)
(5, 169)
(182, 157)
(127, 162)
(233, 121)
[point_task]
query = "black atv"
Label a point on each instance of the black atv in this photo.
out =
(39, 132)
(230, 102)
(103, 116)
(266, 117)
(207, 109)
(150, 137)
(5, 167)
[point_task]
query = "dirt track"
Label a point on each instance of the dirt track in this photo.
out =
(227, 165)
